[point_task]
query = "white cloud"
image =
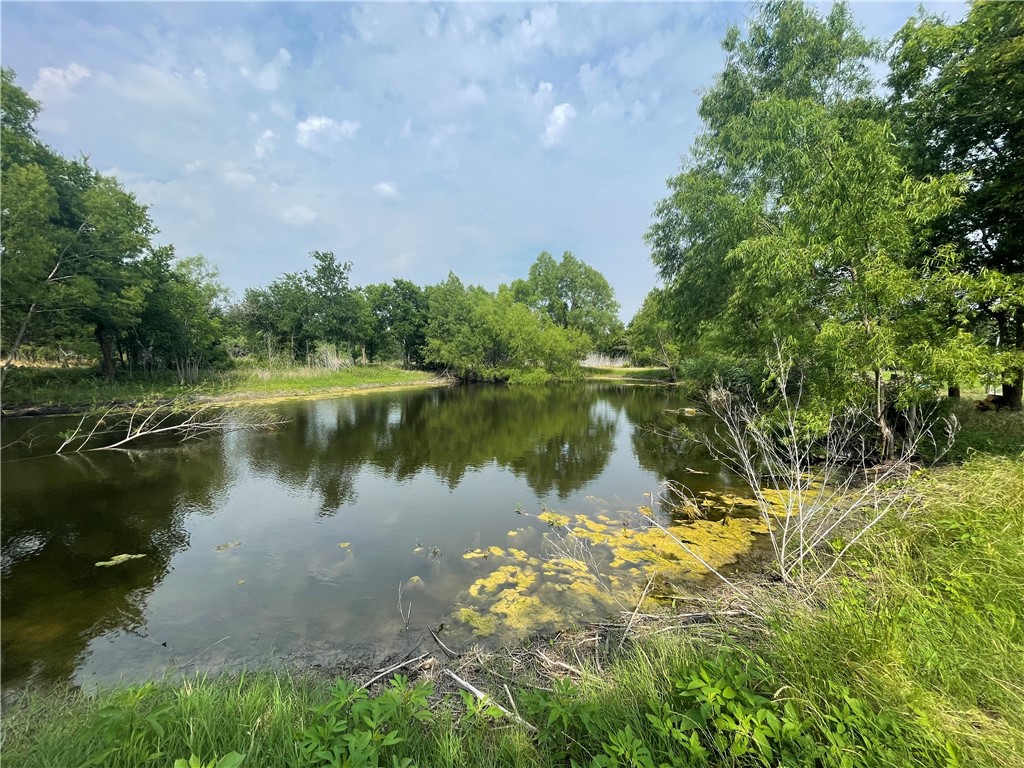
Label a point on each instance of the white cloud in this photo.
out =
(238, 178)
(386, 190)
(403, 262)
(441, 135)
(407, 128)
(193, 166)
(636, 62)
(54, 83)
(540, 29)
(544, 94)
(298, 215)
(317, 129)
(271, 76)
(264, 143)
(472, 94)
(558, 121)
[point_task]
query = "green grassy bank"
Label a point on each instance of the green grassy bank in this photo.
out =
(647, 375)
(85, 387)
(913, 656)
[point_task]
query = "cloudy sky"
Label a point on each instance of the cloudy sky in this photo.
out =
(410, 139)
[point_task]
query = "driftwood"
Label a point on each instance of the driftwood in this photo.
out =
(170, 419)
(393, 668)
(484, 697)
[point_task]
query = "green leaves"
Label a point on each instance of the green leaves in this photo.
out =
(230, 760)
(797, 223)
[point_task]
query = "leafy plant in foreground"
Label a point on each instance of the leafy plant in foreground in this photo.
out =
(352, 729)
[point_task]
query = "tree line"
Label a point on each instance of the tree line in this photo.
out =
(537, 327)
(867, 229)
(83, 275)
(864, 227)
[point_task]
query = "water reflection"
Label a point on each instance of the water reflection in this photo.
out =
(62, 515)
(556, 439)
(407, 481)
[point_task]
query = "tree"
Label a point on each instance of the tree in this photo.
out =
(957, 92)
(574, 295)
(486, 337)
(724, 190)
(800, 219)
(399, 311)
(650, 335)
(73, 242)
(279, 314)
(336, 308)
(181, 324)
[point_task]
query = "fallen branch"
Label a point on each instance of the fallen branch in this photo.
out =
(563, 665)
(393, 668)
(167, 419)
(632, 618)
(448, 651)
(484, 697)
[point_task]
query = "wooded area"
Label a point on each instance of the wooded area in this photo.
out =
(870, 230)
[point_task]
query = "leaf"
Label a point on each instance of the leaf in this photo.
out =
(117, 560)
(230, 760)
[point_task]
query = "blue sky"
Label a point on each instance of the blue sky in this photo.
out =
(410, 139)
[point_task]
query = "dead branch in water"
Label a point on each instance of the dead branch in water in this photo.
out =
(171, 419)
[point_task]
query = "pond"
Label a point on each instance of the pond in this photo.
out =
(495, 512)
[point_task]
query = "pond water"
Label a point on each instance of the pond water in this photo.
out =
(289, 547)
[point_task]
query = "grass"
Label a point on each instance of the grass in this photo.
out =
(913, 655)
(87, 387)
(654, 375)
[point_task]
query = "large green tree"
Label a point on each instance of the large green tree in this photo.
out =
(797, 228)
(73, 242)
(574, 295)
(958, 101)
(399, 316)
(181, 326)
(477, 335)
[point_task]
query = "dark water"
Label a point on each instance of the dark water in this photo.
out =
(242, 534)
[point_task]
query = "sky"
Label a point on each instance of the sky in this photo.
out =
(409, 139)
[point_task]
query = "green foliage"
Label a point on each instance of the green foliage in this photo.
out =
(79, 262)
(797, 228)
(353, 730)
(650, 334)
(486, 337)
(230, 760)
(956, 95)
(573, 295)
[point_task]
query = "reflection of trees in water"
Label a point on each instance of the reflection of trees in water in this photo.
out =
(663, 439)
(62, 515)
(323, 448)
(556, 439)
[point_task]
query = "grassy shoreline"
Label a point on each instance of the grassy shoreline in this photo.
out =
(912, 655)
(41, 390)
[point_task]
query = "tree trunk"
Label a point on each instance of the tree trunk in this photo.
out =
(1012, 390)
(103, 337)
(954, 391)
(887, 446)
